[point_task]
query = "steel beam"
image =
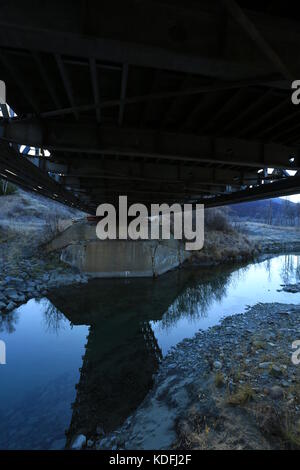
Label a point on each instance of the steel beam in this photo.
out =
(89, 138)
(284, 187)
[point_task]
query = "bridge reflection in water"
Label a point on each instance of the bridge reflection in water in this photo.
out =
(122, 353)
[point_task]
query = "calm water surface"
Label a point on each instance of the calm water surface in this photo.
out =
(86, 355)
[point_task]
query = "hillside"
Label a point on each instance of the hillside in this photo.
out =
(276, 211)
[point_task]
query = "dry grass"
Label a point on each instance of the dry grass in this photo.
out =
(278, 426)
(217, 219)
(291, 435)
(219, 379)
(243, 395)
(220, 246)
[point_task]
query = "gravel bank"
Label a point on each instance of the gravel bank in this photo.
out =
(233, 386)
(33, 277)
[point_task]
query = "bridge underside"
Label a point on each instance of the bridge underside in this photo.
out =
(162, 101)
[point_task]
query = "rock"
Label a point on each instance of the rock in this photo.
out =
(79, 442)
(217, 365)
(2, 305)
(103, 444)
(265, 365)
(276, 392)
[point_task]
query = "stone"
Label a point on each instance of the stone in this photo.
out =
(276, 392)
(217, 365)
(103, 444)
(2, 305)
(79, 442)
(265, 365)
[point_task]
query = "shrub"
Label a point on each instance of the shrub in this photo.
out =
(217, 219)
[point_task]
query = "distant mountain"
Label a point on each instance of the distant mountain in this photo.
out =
(268, 210)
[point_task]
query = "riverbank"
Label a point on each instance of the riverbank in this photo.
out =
(28, 271)
(245, 241)
(26, 222)
(26, 278)
(233, 386)
(272, 238)
(224, 247)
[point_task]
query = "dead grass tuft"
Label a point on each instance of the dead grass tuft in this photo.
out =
(244, 394)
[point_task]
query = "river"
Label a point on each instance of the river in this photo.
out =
(84, 357)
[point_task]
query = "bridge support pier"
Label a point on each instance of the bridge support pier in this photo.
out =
(80, 247)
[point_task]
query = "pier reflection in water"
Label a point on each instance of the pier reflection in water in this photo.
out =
(97, 346)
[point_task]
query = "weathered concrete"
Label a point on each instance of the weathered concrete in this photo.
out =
(81, 248)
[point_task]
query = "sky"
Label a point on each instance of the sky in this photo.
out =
(294, 198)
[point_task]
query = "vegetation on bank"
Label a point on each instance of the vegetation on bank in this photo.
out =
(224, 241)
